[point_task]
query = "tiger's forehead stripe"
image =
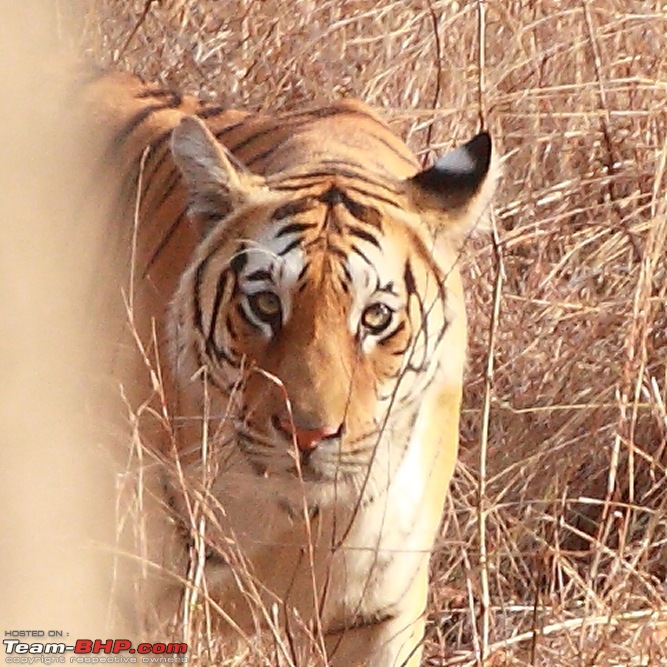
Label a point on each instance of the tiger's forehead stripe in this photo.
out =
(340, 170)
(348, 168)
(295, 207)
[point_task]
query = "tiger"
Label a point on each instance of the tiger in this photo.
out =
(297, 275)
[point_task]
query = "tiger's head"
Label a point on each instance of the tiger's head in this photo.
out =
(321, 308)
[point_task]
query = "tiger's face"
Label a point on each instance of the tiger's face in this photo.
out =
(317, 320)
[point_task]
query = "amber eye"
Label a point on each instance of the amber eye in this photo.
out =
(376, 318)
(266, 306)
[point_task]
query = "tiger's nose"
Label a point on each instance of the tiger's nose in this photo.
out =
(307, 439)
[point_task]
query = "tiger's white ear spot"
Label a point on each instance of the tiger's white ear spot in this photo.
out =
(454, 194)
(467, 161)
(215, 181)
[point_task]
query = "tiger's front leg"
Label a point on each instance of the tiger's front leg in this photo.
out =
(392, 641)
(395, 642)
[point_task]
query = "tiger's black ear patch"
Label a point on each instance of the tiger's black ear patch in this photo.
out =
(456, 176)
(457, 189)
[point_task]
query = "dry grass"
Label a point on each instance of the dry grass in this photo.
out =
(565, 423)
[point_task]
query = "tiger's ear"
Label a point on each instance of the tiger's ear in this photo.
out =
(454, 194)
(216, 182)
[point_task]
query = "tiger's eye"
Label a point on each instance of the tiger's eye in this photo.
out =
(266, 305)
(376, 318)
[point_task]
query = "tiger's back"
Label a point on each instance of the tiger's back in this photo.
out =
(300, 273)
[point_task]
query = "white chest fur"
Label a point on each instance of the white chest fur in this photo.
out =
(364, 557)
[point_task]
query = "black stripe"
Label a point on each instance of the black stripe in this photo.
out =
(199, 278)
(268, 152)
(219, 244)
(399, 154)
(292, 208)
(389, 288)
(171, 184)
(209, 112)
(400, 353)
(253, 136)
(290, 246)
(176, 97)
(240, 259)
(338, 252)
(411, 289)
(333, 196)
(417, 368)
(362, 234)
(196, 303)
(302, 273)
(280, 126)
(243, 315)
(409, 279)
(322, 112)
(373, 618)
(441, 333)
(359, 252)
(423, 330)
(363, 213)
(230, 128)
(279, 182)
(395, 332)
(208, 219)
(136, 120)
(260, 274)
(373, 195)
(366, 214)
(345, 279)
(155, 146)
(229, 387)
(213, 350)
(217, 353)
(219, 293)
(163, 243)
(289, 186)
(361, 173)
(295, 228)
(442, 294)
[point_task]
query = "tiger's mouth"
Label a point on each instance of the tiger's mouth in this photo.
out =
(278, 455)
(304, 452)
